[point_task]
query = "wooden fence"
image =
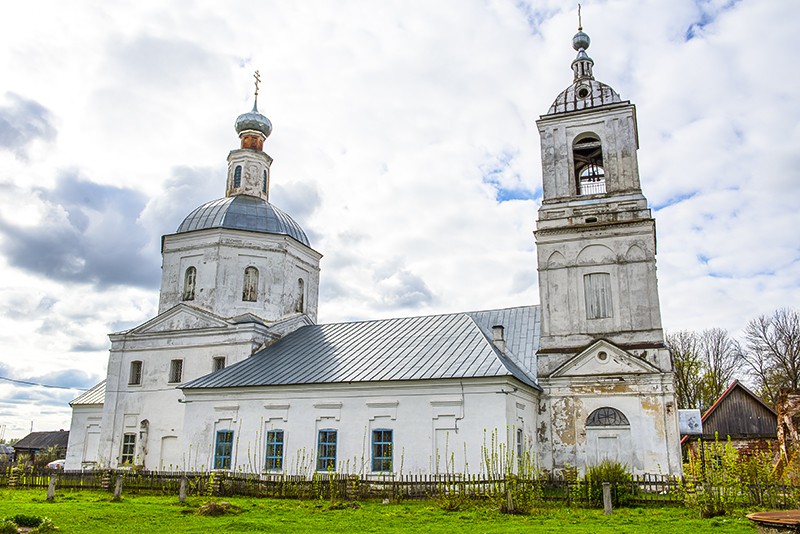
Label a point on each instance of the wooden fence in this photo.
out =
(640, 490)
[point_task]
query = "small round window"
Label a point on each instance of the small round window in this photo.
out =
(583, 92)
(602, 356)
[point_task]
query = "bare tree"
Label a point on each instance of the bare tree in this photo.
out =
(688, 367)
(705, 363)
(773, 352)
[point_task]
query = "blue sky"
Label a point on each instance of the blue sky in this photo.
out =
(405, 144)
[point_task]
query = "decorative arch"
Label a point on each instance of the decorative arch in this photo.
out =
(189, 283)
(555, 260)
(596, 255)
(250, 284)
(607, 416)
(635, 253)
(587, 157)
(237, 176)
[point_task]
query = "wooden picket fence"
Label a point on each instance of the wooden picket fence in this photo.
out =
(640, 490)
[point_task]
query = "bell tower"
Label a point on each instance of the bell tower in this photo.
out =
(595, 235)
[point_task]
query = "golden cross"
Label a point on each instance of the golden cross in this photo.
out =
(257, 76)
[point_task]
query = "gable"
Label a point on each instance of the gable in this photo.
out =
(181, 317)
(603, 358)
(740, 413)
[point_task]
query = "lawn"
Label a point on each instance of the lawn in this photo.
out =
(89, 511)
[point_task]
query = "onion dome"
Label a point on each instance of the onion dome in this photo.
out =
(581, 41)
(243, 212)
(253, 120)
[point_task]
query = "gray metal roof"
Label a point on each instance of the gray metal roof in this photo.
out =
(42, 440)
(413, 348)
(243, 212)
(96, 395)
(598, 94)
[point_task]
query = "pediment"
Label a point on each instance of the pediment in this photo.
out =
(604, 358)
(181, 317)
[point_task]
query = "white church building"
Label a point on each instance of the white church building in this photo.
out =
(234, 373)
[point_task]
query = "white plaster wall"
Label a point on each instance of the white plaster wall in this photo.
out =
(460, 414)
(156, 400)
(646, 400)
(221, 256)
(84, 436)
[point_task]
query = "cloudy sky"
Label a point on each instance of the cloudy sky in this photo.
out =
(404, 142)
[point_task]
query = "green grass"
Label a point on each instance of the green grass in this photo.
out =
(89, 511)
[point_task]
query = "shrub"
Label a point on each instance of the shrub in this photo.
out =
(714, 480)
(8, 527)
(614, 473)
(23, 520)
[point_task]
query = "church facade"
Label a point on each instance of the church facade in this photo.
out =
(234, 372)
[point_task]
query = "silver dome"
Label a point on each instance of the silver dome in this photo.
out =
(253, 120)
(243, 212)
(581, 41)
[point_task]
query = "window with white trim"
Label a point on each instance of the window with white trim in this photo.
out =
(128, 448)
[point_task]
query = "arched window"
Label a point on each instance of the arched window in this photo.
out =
(237, 176)
(189, 280)
(299, 303)
(607, 416)
(597, 291)
(587, 154)
(264, 182)
(250, 286)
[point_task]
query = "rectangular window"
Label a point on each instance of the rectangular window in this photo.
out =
(274, 450)
(326, 450)
(223, 449)
(128, 448)
(382, 450)
(219, 364)
(597, 289)
(520, 449)
(135, 377)
(175, 371)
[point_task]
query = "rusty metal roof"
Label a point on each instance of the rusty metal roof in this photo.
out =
(96, 395)
(448, 346)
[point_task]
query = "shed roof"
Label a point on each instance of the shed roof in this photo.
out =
(454, 345)
(43, 440)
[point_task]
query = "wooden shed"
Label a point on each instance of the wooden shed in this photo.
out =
(739, 414)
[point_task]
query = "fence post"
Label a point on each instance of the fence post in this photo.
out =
(118, 489)
(51, 488)
(182, 490)
(607, 498)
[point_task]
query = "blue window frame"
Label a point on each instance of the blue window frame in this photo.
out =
(237, 176)
(382, 446)
(274, 450)
(223, 449)
(326, 450)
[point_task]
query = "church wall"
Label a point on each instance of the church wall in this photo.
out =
(648, 445)
(221, 256)
(437, 425)
(156, 400)
(84, 436)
